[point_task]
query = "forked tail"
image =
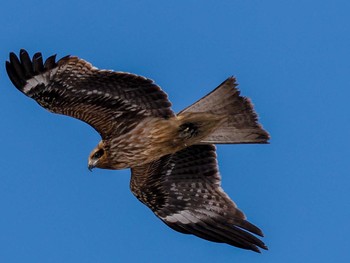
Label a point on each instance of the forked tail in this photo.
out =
(241, 122)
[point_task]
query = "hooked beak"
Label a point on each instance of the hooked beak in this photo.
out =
(91, 165)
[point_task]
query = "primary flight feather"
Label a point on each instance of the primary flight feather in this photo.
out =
(172, 156)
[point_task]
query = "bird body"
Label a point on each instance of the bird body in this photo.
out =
(172, 156)
(153, 138)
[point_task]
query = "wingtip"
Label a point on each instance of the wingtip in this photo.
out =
(23, 51)
(12, 55)
(50, 62)
(21, 68)
(14, 71)
(38, 65)
(256, 249)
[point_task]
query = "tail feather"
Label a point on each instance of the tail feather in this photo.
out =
(241, 123)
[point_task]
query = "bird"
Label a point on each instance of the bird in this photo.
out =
(172, 156)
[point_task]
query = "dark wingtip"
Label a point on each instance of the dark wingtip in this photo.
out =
(27, 64)
(246, 225)
(50, 62)
(23, 52)
(17, 65)
(255, 249)
(38, 64)
(20, 69)
(15, 79)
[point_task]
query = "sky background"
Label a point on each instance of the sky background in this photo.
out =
(291, 58)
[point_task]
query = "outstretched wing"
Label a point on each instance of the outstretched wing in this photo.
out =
(183, 190)
(102, 98)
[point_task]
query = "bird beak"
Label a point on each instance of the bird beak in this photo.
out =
(91, 165)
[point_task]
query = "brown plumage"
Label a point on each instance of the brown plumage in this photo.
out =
(171, 156)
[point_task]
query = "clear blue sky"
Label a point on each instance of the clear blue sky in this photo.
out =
(291, 58)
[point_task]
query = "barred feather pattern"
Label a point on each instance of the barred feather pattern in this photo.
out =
(113, 103)
(184, 191)
(241, 121)
(172, 158)
(104, 99)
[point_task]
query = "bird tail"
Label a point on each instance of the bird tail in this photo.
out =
(232, 116)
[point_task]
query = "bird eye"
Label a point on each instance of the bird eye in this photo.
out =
(98, 154)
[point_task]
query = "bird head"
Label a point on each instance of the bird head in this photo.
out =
(98, 157)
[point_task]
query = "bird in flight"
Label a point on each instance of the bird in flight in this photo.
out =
(172, 157)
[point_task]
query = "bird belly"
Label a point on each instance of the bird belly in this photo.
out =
(154, 138)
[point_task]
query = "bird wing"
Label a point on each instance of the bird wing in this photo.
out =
(111, 102)
(184, 191)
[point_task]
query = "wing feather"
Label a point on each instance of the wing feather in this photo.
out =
(27, 64)
(184, 191)
(104, 99)
(18, 69)
(50, 62)
(38, 65)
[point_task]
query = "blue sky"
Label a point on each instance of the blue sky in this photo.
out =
(290, 57)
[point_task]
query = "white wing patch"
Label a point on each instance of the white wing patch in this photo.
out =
(185, 217)
(39, 79)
